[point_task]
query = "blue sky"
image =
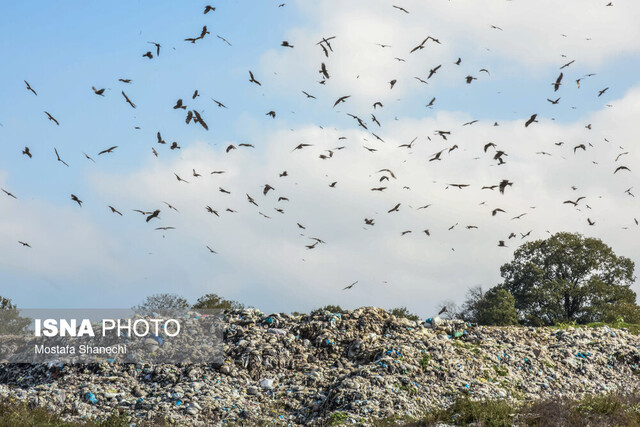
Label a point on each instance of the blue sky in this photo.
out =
(90, 257)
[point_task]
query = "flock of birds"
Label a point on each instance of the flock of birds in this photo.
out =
(367, 121)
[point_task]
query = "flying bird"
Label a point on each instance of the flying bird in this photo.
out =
(30, 88)
(9, 194)
(26, 152)
(350, 286)
(114, 210)
(98, 91)
(253, 80)
(532, 119)
(128, 100)
(108, 150)
(208, 9)
(557, 84)
(75, 199)
(341, 99)
(58, 156)
(51, 118)
(154, 214)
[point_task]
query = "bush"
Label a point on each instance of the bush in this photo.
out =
(10, 321)
(330, 308)
(404, 312)
(162, 304)
(215, 302)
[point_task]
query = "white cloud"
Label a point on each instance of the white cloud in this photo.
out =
(265, 262)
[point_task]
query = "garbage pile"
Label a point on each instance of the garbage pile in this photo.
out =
(353, 366)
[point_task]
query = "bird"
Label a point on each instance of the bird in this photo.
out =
(579, 146)
(196, 174)
(51, 118)
(350, 286)
(179, 105)
(125, 80)
(154, 214)
(286, 44)
(87, 156)
(574, 203)
(532, 119)
(75, 199)
(108, 150)
(553, 102)
(394, 209)
(600, 93)
(308, 96)
(195, 94)
(590, 222)
(148, 55)
(253, 80)
(341, 99)
(98, 91)
(433, 71)
(180, 179)
(208, 9)
(171, 207)
(24, 244)
(266, 189)
(619, 168)
(557, 83)
(30, 88)
(224, 40)
(272, 114)
(9, 194)
(59, 159)
(250, 199)
(324, 71)
(401, 8)
(220, 104)
(503, 185)
(567, 64)
(165, 228)
(26, 152)
(211, 250)
(157, 45)
(301, 146)
(128, 100)
(501, 244)
(114, 210)
(469, 79)
(496, 210)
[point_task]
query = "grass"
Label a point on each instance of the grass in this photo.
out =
(598, 410)
(21, 414)
(611, 409)
(633, 328)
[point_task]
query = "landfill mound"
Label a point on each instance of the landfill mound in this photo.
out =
(354, 366)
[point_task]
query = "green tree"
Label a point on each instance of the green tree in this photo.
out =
(496, 307)
(216, 302)
(162, 304)
(404, 312)
(11, 323)
(568, 277)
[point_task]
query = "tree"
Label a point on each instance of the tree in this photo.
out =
(496, 307)
(568, 277)
(215, 302)
(162, 304)
(11, 323)
(404, 312)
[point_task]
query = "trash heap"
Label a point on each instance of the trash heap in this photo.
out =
(353, 366)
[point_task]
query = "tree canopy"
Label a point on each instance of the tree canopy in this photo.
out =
(569, 277)
(216, 302)
(162, 304)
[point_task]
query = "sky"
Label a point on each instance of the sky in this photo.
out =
(88, 256)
